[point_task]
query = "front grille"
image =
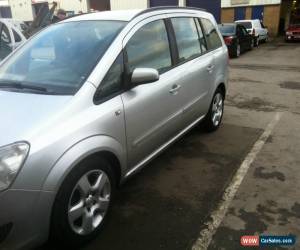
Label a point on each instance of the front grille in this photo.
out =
(296, 33)
(4, 231)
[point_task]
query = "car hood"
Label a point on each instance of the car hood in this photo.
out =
(23, 114)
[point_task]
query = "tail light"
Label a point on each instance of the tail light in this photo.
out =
(228, 40)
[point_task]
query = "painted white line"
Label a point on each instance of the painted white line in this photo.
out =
(218, 215)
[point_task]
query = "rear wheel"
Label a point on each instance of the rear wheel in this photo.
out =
(237, 51)
(251, 44)
(214, 116)
(83, 202)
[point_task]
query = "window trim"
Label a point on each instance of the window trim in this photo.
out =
(174, 53)
(198, 31)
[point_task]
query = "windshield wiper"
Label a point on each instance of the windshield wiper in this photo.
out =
(20, 85)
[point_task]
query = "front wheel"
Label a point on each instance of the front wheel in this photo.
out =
(214, 116)
(82, 203)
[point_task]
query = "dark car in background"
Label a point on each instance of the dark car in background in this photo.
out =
(236, 37)
(293, 33)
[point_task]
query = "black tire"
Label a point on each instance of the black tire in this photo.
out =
(208, 124)
(257, 41)
(251, 44)
(237, 50)
(61, 231)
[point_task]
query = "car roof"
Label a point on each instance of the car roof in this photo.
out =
(128, 15)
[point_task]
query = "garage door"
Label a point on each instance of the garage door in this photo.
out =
(213, 6)
(154, 3)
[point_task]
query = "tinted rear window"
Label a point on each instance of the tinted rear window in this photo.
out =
(247, 25)
(227, 29)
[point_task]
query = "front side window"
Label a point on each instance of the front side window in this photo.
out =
(211, 34)
(112, 82)
(186, 37)
(149, 48)
(60, 58)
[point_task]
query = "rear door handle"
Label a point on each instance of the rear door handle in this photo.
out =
(175, 89)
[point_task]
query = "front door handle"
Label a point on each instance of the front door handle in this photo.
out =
(175, 89)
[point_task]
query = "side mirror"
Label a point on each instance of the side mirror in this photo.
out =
(144, 75)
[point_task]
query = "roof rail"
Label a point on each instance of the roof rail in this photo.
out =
(151, 9)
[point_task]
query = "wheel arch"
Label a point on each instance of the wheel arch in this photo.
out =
(103, 146)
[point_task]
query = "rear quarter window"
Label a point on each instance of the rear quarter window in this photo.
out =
(212, 37)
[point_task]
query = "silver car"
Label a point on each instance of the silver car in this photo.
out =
(88, 102)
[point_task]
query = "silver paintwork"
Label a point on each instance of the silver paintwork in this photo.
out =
(134, 126)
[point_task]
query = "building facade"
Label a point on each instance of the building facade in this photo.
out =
(268, 11)
(26, 10)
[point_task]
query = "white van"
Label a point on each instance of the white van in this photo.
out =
(256, 28)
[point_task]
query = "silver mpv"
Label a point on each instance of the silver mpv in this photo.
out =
(88, 102)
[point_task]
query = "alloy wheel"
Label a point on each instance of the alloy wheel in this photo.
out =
(89, 202)
(217, 109)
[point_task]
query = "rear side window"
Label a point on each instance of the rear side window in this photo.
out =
(186, 37)
(211, 34)
(149, 48)
(247, 25)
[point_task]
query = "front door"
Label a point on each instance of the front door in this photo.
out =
(152, 111)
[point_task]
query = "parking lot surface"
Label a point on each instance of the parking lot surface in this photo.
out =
(170, 202)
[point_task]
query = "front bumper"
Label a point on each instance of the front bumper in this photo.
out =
(26, 216)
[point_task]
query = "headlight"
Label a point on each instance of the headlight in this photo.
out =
(11, 159)
(288, 33)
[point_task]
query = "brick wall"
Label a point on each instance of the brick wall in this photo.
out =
(248, 12)
(227, 15)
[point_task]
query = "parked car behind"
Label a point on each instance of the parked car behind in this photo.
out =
(88, 102)
(293, 33)
(256, 28)
(236, 37)
(11, 35)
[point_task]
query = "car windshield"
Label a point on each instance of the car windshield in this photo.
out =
(227, 29)
(61, 57)
(247, 25)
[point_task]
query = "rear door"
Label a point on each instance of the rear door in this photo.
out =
(219, 53)
(152, 111)
(195, 66)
